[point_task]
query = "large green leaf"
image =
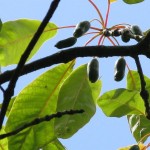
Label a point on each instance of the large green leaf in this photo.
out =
(38, 99)
(139, 124)
(146, 32)
(121, 102)
(76, 93)
(3, 142)
(134, 83)
(132, 1)
(96, 88)
(16, 35)
(0, 25)
(55, 145)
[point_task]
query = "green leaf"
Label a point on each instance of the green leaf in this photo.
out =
(0, 25)
(133, 81)
(76, 93)
(139, 146)
(3, 142)
(139, 126)
(145, 33)
(121, 102)
(132, 1)
(38, 99)
(10, 105)
(55, 145)
(96, 88)
(16, 35)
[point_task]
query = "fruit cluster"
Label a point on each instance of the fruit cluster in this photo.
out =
(126, 34)
(80, 30)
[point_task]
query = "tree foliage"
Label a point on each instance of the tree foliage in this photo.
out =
(63, 99)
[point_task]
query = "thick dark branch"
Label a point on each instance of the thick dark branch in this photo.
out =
(144, 93)
(145, 44)
(40, 120)
(67, 55)
(10, 90)
(64, 56)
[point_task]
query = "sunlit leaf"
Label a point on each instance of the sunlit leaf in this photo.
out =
(16, 35)
(139, 126)
(96, 88)
(120, 102)
(38, 99)
(76, 93)
(145, 33)
(135, 79)
(124, 148)
(132, 1)
(141, 146)
(0, 25)
(55, 145)
(113, 1)
(3, 142)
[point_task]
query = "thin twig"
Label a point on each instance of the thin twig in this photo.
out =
(10, 89)
(40, 120)
(2, 89)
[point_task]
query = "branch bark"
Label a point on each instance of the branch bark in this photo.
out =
(64, 56)
(144, 93)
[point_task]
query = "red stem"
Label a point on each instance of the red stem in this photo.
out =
(91, 39)
(99, 13)
(107, 14)
(96, 29)
(100, 39)
(111, 41)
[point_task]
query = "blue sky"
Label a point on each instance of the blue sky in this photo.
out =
(101, 132)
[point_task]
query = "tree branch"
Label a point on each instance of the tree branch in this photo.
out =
(10, 89)
(145, 44)
(40, 120)
(64, 56)
(144, 93)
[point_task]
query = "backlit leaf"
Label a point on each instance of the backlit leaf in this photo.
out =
(3, 142)
(0, 25)
(121, 102)
(139, 125)
(38, 99)
(76, 93)
(16, 35)
(55, 145)
(141, 146)
(113, 1)
(133, 82)
(145, 33)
